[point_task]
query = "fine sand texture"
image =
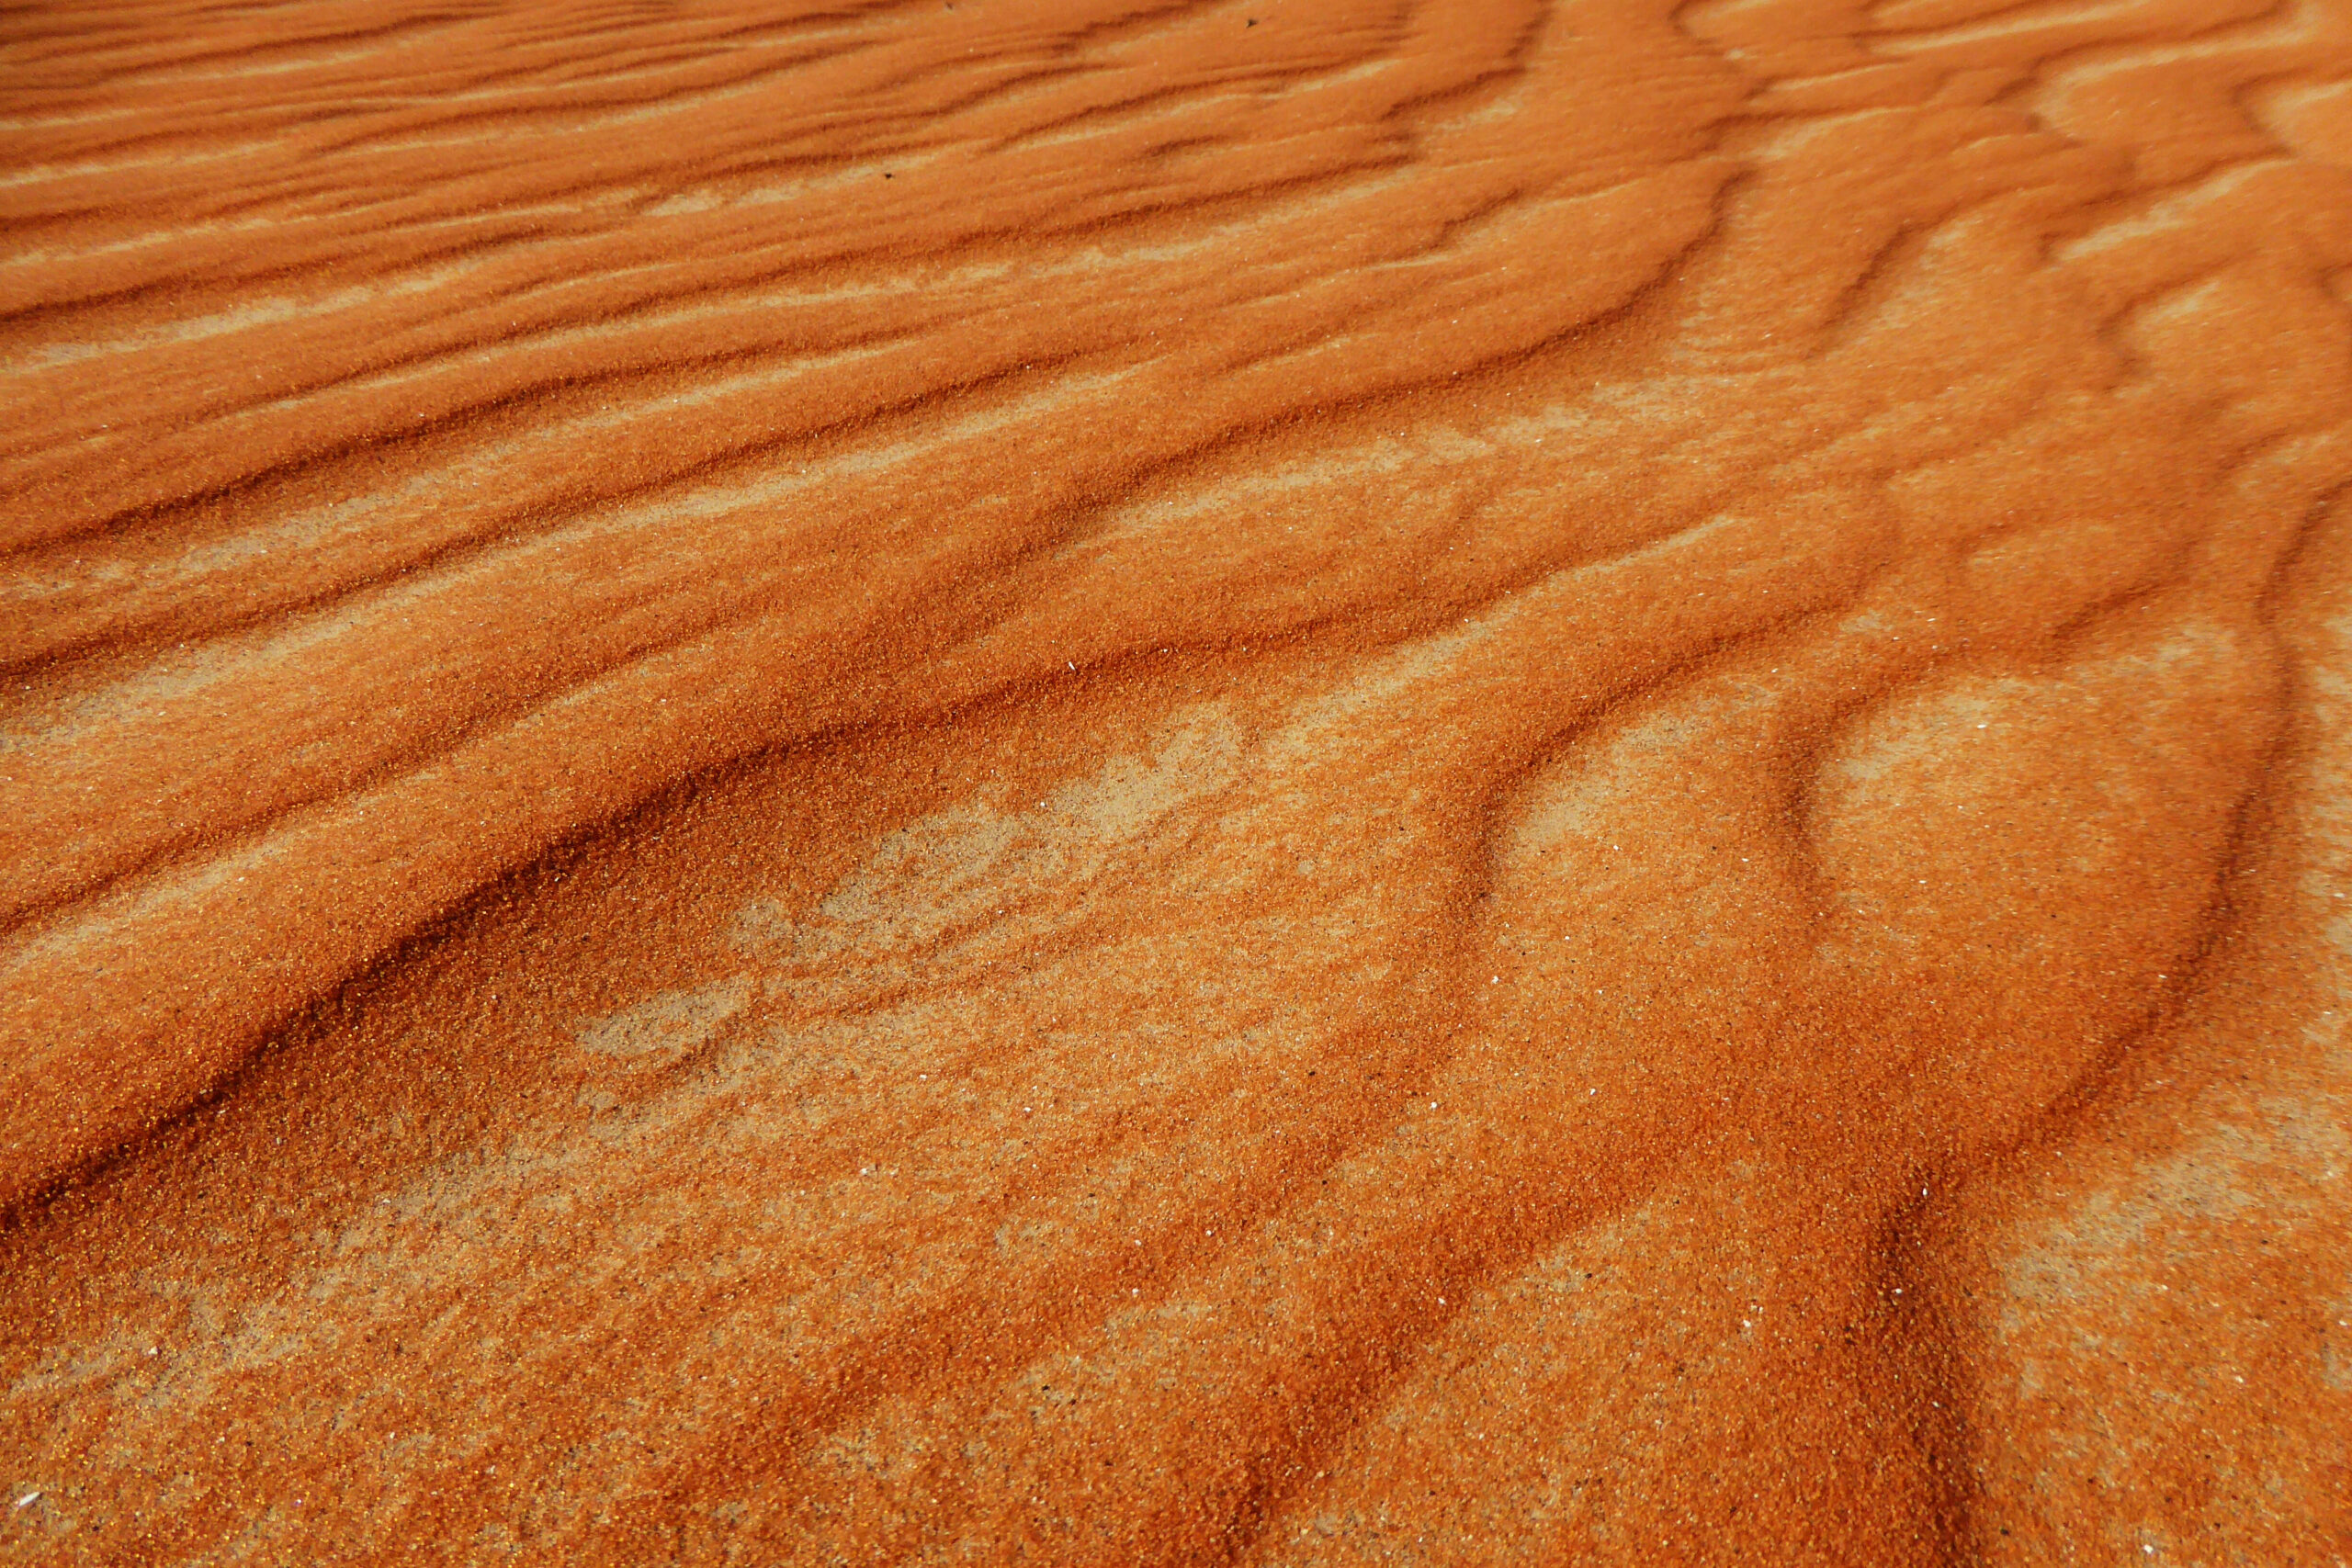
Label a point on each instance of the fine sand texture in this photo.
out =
(1127, 782)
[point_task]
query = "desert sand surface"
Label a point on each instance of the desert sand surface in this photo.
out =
(1137, 783)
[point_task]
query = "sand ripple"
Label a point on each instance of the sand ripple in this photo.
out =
(1315, 781)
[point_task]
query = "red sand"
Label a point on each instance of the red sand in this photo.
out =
(1143, 783)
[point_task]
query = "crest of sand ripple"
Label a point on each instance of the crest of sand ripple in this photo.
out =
(1476, 783)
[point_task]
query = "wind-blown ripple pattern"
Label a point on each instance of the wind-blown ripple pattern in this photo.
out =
(1307, 781)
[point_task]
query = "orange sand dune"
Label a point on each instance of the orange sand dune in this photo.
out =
(1124, 782)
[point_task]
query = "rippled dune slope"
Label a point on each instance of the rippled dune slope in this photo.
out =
(1309, 780)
